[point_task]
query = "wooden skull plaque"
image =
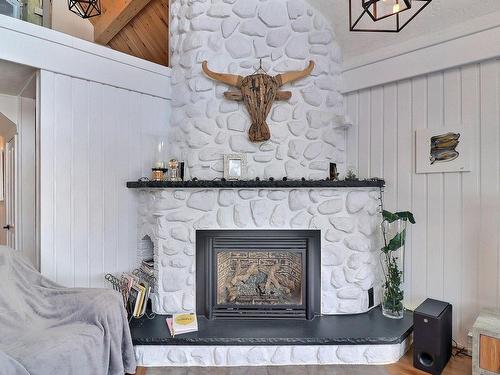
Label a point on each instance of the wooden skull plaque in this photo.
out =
(258, 92)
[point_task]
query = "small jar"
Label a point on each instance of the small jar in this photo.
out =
(158, 174)
(173, 170)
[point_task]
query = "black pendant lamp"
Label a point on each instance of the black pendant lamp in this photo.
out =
(383, 15)
(85, 8)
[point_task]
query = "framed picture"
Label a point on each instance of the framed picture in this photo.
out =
(235, 166)
(442, 150)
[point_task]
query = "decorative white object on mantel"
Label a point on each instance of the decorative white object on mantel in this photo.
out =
(235, 166)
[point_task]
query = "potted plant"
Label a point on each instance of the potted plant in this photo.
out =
(394, 235)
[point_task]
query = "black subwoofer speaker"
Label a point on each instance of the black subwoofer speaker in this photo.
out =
(432, 336)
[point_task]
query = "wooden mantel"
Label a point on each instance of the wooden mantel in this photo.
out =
(136, 27)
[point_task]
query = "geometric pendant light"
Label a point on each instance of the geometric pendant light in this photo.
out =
(383, 15)
(85, 8)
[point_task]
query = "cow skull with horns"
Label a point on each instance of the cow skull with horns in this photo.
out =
(258, 92)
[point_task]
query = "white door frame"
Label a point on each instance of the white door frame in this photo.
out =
(11, 192)
(27, 172)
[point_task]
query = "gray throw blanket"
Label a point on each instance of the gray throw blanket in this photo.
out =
(46, 329)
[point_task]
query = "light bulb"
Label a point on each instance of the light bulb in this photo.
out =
(396, 8)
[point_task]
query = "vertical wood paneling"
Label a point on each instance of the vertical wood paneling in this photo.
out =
(364, 126)
(435, 200)
(403, 160)
(111, 130)
(80, 182)
(470, 202)
(47, 116)
(452, 201)
(135, 168)
(63, 152)
(419, 205)
(488, 250)
(92, 143)
(96, 187)
(389, 132)
(376, 133)
(124, 158)
(352, 134)
(453, 252)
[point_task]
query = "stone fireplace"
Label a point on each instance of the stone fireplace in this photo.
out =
(344, 218)
(256, 263)
(285, 191)
(258, 274)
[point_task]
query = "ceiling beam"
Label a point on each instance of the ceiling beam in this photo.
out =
(116, 14)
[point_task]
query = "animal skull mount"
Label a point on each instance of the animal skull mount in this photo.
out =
(258, 92)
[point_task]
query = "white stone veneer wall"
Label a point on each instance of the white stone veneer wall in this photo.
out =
(347, 218)
(155, 355)
(307, 132)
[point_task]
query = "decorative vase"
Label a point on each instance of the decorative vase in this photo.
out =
(392, 259)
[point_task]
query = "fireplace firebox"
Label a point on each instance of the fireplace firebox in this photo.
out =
(258, 274)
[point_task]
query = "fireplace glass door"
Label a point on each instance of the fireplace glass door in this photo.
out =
(258, 274)
(260, 277)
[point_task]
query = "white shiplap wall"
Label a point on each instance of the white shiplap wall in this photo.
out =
(453, 252)
(93, 139)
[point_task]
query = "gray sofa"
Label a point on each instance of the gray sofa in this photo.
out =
(46, 329)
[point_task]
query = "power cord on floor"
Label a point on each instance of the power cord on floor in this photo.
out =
(460, 351)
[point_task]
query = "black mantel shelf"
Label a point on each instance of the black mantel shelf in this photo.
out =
(289, 184)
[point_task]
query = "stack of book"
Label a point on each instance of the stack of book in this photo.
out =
(182, 323)
(136, 292)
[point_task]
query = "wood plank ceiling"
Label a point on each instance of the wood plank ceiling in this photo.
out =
(136, 27)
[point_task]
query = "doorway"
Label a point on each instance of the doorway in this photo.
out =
(8, 131)
(18, 150)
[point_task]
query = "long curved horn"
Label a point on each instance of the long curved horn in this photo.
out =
(229, 79)
(293, 76)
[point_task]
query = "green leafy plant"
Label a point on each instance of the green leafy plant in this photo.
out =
(393, 294)
(350, 175)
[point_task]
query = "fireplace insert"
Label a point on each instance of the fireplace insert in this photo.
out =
(258, 274)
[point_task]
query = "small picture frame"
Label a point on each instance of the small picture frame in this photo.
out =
(235, 166)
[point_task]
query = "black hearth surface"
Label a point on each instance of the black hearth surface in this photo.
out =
(371, 328)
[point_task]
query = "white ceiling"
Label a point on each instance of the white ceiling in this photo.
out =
(439, 15)
(13, 77)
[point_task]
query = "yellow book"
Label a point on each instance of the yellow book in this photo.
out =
(184, 323)
(140, 300)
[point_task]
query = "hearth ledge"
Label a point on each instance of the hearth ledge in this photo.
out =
(229, 356)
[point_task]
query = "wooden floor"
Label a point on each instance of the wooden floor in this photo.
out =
(457, 366)
(460, 365)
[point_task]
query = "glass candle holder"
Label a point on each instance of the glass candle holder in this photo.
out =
(160, 159)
